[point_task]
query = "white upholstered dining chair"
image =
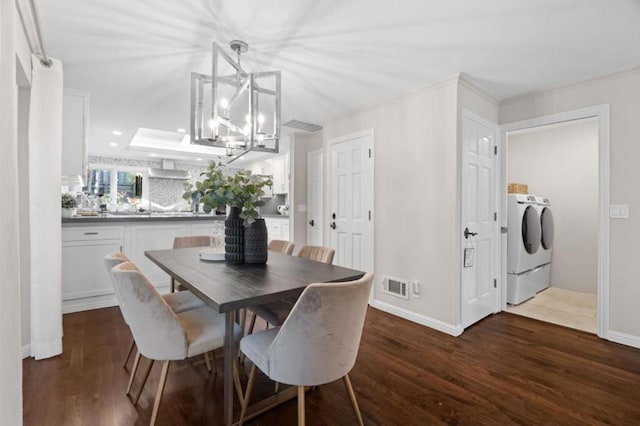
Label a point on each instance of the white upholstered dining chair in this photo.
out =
(274, 313)
(160, 333)
(189, 242)
(317, 344)
(181, 301)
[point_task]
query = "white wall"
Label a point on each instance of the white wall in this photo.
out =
(560, 162)
(10, 356)
(415, 196)
(23, 185)
(622, 92)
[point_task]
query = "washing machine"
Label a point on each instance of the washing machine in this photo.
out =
(547, 235)
(523, 242)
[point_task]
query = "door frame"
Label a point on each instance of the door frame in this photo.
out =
(602, 114)
(369, 144)
(497, 255)
(321, 223)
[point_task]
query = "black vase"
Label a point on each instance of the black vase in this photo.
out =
(255, 243)
(234, 237)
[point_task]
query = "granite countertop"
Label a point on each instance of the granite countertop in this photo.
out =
(142, 217)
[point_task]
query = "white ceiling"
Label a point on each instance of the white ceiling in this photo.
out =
(336, 56)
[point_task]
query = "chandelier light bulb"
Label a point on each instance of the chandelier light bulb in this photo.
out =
(224, 103)
(260, 118)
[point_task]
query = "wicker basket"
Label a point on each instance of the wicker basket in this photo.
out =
(517, 188)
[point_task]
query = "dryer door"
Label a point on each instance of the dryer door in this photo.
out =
(548, 233)
(531, 230)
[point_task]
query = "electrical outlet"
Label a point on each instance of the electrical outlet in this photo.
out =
(415, 289)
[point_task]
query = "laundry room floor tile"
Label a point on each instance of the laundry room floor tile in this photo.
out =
(569, 308)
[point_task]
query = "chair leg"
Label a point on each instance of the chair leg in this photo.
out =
(173, 285)
(277, 387)
(136, 363)
(131, 346)
(243, 321)
(236, 381)
(252, 323)
(207, 361)
(163, 380)
(352, 396)
(247, 395)
(144, 382)
(300, 405)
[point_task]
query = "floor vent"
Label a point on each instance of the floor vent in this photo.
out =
(395, 287)
(302, 125)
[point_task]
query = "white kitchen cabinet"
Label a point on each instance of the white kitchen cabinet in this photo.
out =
(85, 281)
(281, 174)
(277, 228)
(153, 237)
(75, 120)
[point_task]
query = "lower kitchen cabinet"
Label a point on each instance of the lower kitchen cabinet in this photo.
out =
(153, 237)
(277, 228)
(85, 282)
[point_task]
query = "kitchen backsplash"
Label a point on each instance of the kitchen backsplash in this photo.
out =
(166, 194)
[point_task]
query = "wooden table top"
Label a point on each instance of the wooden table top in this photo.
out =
(227, 286)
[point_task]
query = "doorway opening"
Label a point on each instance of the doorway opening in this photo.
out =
(555, 176)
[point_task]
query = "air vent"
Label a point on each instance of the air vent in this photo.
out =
(302, 125)
(395, 287)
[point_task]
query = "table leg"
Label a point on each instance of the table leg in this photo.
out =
(229, 354)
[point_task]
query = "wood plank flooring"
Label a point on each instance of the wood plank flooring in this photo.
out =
(504, 370)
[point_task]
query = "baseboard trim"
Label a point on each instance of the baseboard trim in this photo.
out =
(623, 339)
(26, 350)
(89, 303)
(450, 329)
(97, 302)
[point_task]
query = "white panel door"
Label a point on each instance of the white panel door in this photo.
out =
(315, 189)
(480, 247)
(351, 201)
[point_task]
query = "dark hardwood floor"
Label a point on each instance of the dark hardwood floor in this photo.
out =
(504, 370)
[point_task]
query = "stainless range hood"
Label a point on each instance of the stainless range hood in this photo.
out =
(168, 171)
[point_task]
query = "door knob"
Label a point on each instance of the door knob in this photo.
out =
(311, 222)
(468, 233)
(333, 225)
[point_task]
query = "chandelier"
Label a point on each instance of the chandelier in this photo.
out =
(234, 109)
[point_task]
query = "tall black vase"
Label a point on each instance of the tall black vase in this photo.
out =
(255, 243)
(234, 237)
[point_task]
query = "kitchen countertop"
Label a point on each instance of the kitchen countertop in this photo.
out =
(141, 217)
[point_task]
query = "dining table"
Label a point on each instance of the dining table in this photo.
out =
(228, 287)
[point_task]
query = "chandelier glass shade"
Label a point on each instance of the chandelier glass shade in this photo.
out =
(234, 109)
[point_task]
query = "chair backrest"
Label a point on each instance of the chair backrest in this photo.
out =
(318, 343)
(192, 241)
(155, 327)
(110, 261)
(281, 246)
(317, 253)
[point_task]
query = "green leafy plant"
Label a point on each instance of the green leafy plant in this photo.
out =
(69, 201)
(218, 189)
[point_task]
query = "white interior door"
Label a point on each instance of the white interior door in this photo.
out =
(480, 248)
(315, 189)
(351, 200)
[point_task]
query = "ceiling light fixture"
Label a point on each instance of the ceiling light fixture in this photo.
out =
(234, 109)
(181, 130)
(113, 144)
(117, 132)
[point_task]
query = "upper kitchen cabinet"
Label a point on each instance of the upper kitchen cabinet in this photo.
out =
(75, 124)
(281, 174)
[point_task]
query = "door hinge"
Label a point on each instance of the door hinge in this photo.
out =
(369, 152)
(495, 216)
(369, 215)
(495, 283)
(495, 150)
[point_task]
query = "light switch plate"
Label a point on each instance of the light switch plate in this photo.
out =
(619, 211)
